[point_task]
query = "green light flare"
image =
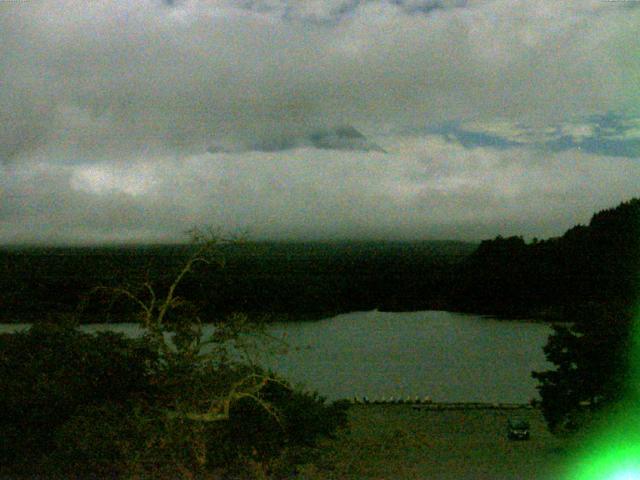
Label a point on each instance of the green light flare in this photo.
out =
(634, 358)
(612, 461)
(613, 452)
(627, 475)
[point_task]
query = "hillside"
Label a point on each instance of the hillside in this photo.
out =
(301, 280)
(599, 262)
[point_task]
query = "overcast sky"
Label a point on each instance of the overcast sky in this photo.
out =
(134, 120)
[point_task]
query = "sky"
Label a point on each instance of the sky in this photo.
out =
(133, 121)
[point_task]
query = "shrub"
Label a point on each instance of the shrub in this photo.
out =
(81, 405)
(50, 372)
(296, 421)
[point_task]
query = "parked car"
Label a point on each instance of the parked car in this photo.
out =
(518, 429)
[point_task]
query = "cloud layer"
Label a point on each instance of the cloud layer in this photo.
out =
(108, 110)
(427, 188)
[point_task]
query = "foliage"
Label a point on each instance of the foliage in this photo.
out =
(594, 263)
(105, 440)
(592, 365)
(171, 404)
(51, 372)
(310, 279)
(155, 433)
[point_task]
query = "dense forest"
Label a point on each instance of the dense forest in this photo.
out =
(508, 277)
(597, 263)
(305, 280)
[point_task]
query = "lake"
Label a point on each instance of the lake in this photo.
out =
(447, 356)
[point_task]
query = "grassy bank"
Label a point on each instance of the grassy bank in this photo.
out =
(399, 442)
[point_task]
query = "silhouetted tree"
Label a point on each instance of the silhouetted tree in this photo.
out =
(592, 365)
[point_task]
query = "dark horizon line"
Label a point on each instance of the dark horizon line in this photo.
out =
(182, 243)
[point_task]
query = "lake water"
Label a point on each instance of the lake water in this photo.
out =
(446, 356)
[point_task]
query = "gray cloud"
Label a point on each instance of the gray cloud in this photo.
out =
(107, 110)
(108, 78)
(332, 12)
(426, 188)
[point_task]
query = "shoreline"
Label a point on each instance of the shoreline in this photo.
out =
(440, 406)
(289, 317)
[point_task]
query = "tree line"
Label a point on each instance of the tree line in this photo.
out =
(295, 280)
(594, 263)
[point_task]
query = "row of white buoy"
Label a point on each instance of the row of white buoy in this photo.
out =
(426, 402)
(394, 400)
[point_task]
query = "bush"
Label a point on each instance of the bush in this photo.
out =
(297, 421)
(100, 440)
(79, 405)
(51, 372)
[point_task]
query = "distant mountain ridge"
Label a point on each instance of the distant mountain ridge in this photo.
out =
(551, 279)
(343, 137)
(291, 279)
